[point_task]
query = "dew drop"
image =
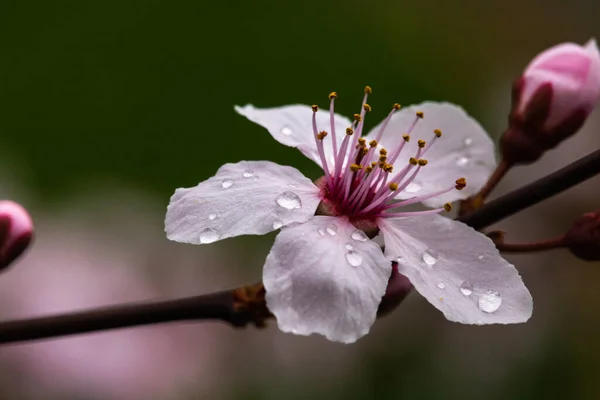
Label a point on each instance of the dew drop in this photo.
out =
(430, 257)
(413, 187)
(490, 301)
(481, 257)
(321, 232)
(293, 185)
(349, 246)
(400, 260)
(248, 173)
(466, 288)
(441, 285)
(332, 230)
(227, 183)
(208, 235)
(212, 217)
(286, 130)
(462, 161)
(353, 258)
(468, 141)
(277, 224)
(359, 236)
(288, 200)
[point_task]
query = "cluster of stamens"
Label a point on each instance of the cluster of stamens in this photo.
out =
(359, 180)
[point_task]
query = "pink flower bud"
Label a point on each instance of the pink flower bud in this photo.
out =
(552, 100)
(397, 289)
(583, 239)
(16, 231)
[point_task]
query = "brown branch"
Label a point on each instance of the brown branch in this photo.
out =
(246, 305)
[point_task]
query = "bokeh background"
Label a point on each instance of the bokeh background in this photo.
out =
(107, 106)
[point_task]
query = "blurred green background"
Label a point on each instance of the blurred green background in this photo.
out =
(111, 105)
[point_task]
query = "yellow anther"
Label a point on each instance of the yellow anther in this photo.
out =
(357, 117)
(421, 143)
(368, 89)
(373, 164)
(364, 151)
(367, 107)
(368, 169)
(355, 167)
(460, 183)
(373, 143)
(422, 162)
(382, 158)
(315, 107)
(383, 152)
(437, 132)
(406, 138)
(448, 207)
(393, 186)
(362, 141)
(349, 131)
(321, 135)
(396, 106)
(420, 114)
(388, 167)
(413, 161)
(333, 95)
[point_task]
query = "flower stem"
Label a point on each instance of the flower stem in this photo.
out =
(501, 170)
(549, 244)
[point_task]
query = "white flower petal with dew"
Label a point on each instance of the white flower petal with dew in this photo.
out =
(464, 150)
(457, 269)
(292, 126)
(247, 198)
(320, 279)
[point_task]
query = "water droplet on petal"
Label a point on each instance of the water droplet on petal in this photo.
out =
(227, 183)
(332, 230)
(481, 257)
(289, 200)
(413, 187)
(212, 217)
(430, 257)
(286, 130)
(466, 288)
(353, 258)
(490, 301)
(441, 285)
(248, 173)
(400, 260)
(208, 235)
(277, 224)
(349, 246)
(359, 236)
(321, 232)
(468, 141)
(462, 161)
(292, 185)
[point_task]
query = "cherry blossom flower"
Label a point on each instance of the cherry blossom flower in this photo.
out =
(326, 273)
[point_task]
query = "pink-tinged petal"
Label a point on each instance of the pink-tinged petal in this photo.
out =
(247, 198)
(457, 269)
(16, 231)
(463, 150)
(325, 277)
(292, 126)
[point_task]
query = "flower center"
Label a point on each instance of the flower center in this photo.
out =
(360, 181)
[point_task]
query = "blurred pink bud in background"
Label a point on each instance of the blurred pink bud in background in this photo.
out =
(16, 231)
(573, 73)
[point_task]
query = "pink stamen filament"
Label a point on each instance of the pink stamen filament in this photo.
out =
(410, 213)
(418, 199)
(332, 124)
(321, 151)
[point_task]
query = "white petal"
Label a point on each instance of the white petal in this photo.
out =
(319, 279)
(457, 269)
(247, 198)
(464, 150)
(292, 126)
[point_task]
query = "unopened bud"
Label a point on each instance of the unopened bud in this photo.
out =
(583, 239)
(551, 100)
(397, 289)
(16, 231)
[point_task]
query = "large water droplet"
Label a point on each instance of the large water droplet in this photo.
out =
(441, 285)
(289, 200)
(208, 235)
(212, 217)
(462, 161)
(490, 301)
(321, 232)
(413, 187)
(248, 173)
(277, 224)
(468, 141)
(349, 246)
(359, 236)
(430, 257)
(227, 183)
(466, 288)
(286, 130)
(353, 258)
(332, 229)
